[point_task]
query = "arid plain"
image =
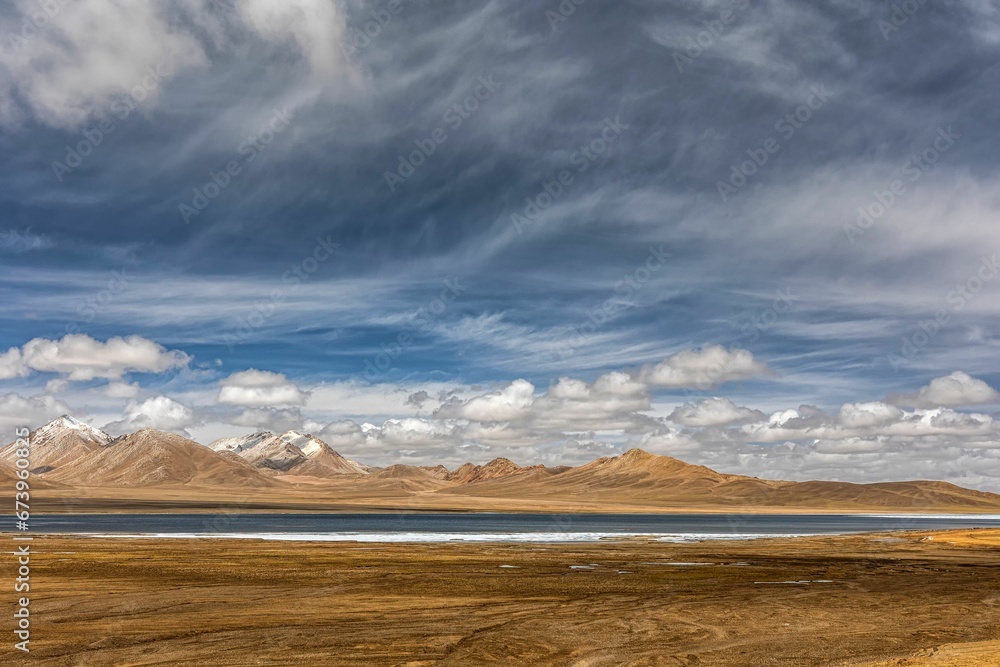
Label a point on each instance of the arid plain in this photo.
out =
(903, 599)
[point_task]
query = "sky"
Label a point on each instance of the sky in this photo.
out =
(759, 235)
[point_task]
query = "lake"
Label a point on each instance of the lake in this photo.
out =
(494, 527)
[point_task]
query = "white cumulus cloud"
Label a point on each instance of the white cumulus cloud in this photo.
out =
(867, 415)
(80, 357)
(954, 390)
(160, 412)
(260, 389)
(704, 368)
(713, 412)
(86, 56)
(509, 404)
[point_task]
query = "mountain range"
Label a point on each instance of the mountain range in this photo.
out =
(73, 461)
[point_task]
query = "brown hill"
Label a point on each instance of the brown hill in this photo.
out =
(437, 472)
(325, 462)
(469, 473)
(412, 478)
(60, 442)
(154, 458)
(301, 470)
(637, 477)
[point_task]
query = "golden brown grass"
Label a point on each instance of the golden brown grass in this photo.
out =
(237, 602)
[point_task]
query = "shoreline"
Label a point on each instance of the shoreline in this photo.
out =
(51, 506)
(556, 532)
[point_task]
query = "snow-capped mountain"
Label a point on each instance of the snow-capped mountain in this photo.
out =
(240, 443)
(296, 452)
(59, 426)
(60, 443)
(310, 445)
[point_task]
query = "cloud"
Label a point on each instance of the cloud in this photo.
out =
(56, 385)
(276, 420)
(877, 419)
(342, 434)
(418, 398)
(88, 55)
(160, 412)
(515, 415)
(315, 26)
(12, 364)
(13, 240)
(509, 404)
(669, 442)
(254, 388)
(713, 412)
(79, 357)
(867, 415)
(957, 389)
(704, 368)
(412, 432)
(121, 390)
(17, 411)
(93, 57)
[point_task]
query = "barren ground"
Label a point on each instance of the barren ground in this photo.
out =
(871, 600)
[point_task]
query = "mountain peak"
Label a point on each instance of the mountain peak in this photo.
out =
(635, 455)
(241, 443)
(65, 423)
(640, 457)
(501, 462)
(498, 467)
(642, 462)
(310, 445)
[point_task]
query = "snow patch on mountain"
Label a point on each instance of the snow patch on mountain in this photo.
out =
(67, 423)
(310, 445)
(241, 443)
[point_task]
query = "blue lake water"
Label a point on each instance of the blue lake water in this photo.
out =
(490, 527)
